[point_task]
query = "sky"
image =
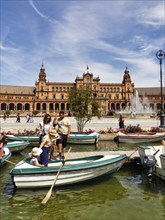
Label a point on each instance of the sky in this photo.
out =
(67, 36)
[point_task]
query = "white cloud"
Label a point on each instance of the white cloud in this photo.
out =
(66, 36)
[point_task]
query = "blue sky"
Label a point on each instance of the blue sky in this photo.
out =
(69, 35)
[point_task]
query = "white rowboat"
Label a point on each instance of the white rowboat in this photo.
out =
(74, 171)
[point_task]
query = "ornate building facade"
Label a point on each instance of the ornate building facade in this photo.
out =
(51, 97)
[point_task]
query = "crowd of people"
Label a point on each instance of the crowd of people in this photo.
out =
(29, 118)
(53, 136)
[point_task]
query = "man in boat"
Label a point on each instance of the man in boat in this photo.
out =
(63, 127)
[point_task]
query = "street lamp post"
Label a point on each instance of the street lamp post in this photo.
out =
(161, 55)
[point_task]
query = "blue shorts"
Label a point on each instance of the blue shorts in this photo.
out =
(62, 140)
(44, 156)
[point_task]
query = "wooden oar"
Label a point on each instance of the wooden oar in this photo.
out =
(163, 142)
(8, 161)
(48, 195)
(132, 154)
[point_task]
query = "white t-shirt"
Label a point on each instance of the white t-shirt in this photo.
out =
(34, 161)
(45, 127)
(63, 125)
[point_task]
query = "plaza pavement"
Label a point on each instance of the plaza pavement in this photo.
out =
(104, 123)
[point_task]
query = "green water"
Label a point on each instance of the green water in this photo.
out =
(127, 195)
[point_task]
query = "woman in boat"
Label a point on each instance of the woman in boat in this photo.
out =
(34, 155)
(48, 141)
(3, 141)
(44, 127)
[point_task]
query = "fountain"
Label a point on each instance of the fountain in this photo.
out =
(139, 106)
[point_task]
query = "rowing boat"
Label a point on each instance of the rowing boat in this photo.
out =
(26, 175)
(140, 137)
(153, 160)
(33, 140)
(17, 146)
(7, 155)
(83, 138)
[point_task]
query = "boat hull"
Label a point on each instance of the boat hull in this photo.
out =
(158, 168)
(33, 140)
(5, 157)
(140, 138)
(73, 172)
(17, 146)
(85, 138)
(75, 138)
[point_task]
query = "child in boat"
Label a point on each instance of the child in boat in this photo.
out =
(3, 141)
(34, 155)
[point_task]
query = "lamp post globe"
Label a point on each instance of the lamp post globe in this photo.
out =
(160, 56)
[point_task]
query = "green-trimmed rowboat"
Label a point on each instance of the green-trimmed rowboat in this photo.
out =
(6, 156)
(75, 138)
(25, 175)
(33, 140)
(17, 146)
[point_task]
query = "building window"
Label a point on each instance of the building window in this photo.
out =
(87, 80)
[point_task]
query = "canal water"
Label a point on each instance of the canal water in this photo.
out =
(127, 195)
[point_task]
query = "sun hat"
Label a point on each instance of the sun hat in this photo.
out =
(36, 151)
(54, 133)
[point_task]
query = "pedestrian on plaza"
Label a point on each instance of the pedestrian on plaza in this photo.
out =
(28, 118)
(48, 141)
(63, 127)
(134, 114)
(4, 116)
(31, 118)
(121, 121)
(44, 127)
(18, 117)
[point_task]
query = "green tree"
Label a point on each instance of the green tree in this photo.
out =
(83, 106)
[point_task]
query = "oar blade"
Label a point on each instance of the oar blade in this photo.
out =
(47, 197)
(163, 142)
